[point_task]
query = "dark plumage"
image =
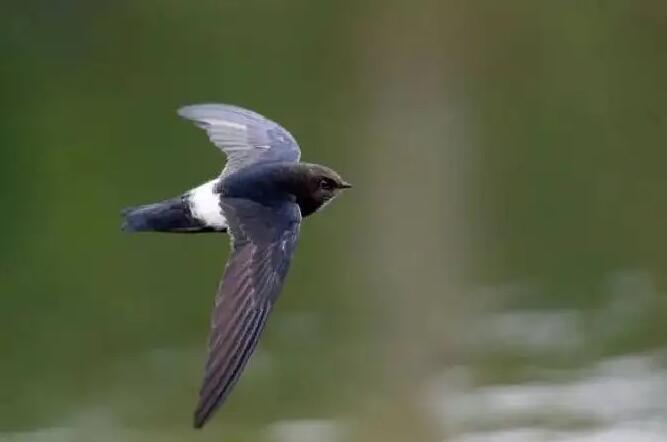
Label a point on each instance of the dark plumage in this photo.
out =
(259, 199)
(172, 215)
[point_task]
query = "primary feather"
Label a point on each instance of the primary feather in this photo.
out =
(246, 137)
(263, 240)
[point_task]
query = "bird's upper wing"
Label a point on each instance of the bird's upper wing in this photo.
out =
(263, 240)
(246, 137)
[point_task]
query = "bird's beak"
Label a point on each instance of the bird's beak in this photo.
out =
(344, 185)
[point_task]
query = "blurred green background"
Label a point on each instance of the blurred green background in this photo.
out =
(497, 273)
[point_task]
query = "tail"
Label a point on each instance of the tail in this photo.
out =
(172, 215)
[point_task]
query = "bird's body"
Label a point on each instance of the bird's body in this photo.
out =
(259, 199)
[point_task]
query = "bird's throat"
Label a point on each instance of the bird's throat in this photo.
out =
(308, 205)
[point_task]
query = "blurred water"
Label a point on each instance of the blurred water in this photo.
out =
(497, 272)
(610, 398)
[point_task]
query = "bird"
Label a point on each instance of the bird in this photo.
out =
(259, 199)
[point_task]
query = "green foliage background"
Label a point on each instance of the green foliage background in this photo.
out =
(491, 144)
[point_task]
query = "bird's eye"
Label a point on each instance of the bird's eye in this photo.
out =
(327, 184)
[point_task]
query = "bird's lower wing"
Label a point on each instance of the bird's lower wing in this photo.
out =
(263, 243)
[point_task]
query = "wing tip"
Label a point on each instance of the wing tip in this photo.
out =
(189, 111)
(202, 414)
(195, 111)
(206, 110)
(198, 422)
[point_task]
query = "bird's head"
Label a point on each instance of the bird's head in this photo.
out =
(319, 185)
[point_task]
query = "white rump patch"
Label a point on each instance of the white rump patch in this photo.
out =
(205, 205)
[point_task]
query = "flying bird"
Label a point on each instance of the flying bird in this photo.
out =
(259, 199)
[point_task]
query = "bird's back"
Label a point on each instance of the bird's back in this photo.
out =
(267, 184)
